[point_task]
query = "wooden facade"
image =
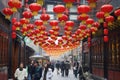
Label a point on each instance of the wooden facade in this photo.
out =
(19, 51)
(98, 52)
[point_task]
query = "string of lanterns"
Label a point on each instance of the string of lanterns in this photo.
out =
(36, 30)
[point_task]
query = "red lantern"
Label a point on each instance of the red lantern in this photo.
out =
(51, 31)
(70, 23)
(30, 27)
(109, 20)
(54, 23)
(14, 4)
(38, 23)
(84, 9)
(35, 7)
(93, 29)
(69, 3)
(63, 18)
(17, 25)
(64, 37)
(8, 12)
(100, 16)
(24, 21)
(117, 13)
(105, 25)
(83, 18)
(45, 18)
(92, 3)
(82, 27)
(89, 22)
(105, 38)
(14, 20)
(96, 24)
(106, 32)
(27, 14)
(13, 35)
(59, 9)
(13, 28)
(107, 8)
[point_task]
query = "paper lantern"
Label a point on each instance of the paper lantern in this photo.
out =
(34, 7)
(27, 14)
(13, 35)
(17, 25)
(53, 23)
(109, 20)
(83, 18)
(107, 8)
(89, 22)
(14, 20)
(8, 12)
(100, 16)
(69, 23)
(82, 27)
(83, 9)
(59, 9)
(69, 3)
(96, 24)
(13, 28)
(38, 23)
(105, 38)
(117, 13)
(63, 18)
(92, 3)
(45, 18)
(14, 4)
(106, 32)
(24, 21)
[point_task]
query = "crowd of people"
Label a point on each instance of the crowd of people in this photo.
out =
(39, 71)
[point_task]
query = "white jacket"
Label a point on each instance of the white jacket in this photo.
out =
(20, 74)
(49, 74)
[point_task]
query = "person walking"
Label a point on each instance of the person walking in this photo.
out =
(58, 67)
(67, 67)
(49, 74)
(37, 71)
(62, 66)
(75, 68)
(21, 73)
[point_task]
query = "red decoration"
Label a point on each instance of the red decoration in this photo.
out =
(35, 7)
(117, 13)
(89, 22)
(14, 5)
(82, 27)
(38, 23)
(105, 31)
(96, 24)
(24, 21)
(83, 9)
(106, 39)
(59, 9)
(109, 20)
(92, 3)
(105, 25)
(27, 14)
(44, 17)
(69, 23)
(100, 16)
(8, 12)
(13, 28)
(69, 3)
(54, 23)
(107, 8)
(30, 26)
(13, 35)
(17, 25)
(14, 20)
(63, 18)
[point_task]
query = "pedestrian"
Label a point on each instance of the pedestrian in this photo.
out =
(67, 67)
(47, 70)
(58, 67)
(49, 74)
(21, 73)
(75, 68)
(30, 70)
(37, 71)
(62, 66)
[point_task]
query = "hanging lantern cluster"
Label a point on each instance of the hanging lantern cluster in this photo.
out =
(54, 31)
(105, 31)
(83, 10)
